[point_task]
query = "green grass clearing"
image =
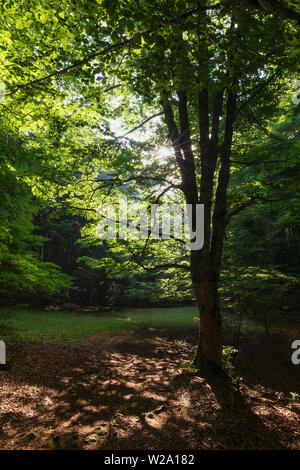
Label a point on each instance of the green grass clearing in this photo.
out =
(49, 326)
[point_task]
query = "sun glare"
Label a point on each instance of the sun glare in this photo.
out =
(164, 152)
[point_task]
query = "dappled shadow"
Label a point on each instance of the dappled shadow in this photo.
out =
(127, 392)
(240, 425)
(263, 358)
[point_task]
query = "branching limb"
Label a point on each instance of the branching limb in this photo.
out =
(255, 162)
(142, 124)
(275, 7)
(78, 63)
(253, 120)
(252, 200)
(258, 90)
(157, 267)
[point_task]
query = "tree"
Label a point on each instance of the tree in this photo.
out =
(263, 194)
(206, 69)
(22, 273)
(204, 66)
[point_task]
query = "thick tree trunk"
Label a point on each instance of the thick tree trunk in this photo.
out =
(205, 263)
(210, 344)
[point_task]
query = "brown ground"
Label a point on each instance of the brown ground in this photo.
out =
(126, 392)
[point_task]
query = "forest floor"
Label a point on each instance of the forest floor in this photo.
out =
(128, 391)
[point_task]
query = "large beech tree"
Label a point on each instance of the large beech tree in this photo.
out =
(207, 69)
(210, 69)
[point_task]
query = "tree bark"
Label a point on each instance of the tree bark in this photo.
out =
(210, 343)
(205, 263)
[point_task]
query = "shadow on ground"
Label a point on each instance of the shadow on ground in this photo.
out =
(129, 392)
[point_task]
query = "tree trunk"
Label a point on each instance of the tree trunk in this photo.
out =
(206, 262)
(209, 348)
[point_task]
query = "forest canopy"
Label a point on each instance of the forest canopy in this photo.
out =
(162, 102)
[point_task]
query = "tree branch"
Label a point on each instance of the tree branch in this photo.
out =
(70, 67)
(110, 48)
(275, 7)
(255, 162)
(257, 92)
(112, 181)
(186, 267)
(260, 126)
(251, 201)
(140, 125)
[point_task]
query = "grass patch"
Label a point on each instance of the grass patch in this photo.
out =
(49, 326)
